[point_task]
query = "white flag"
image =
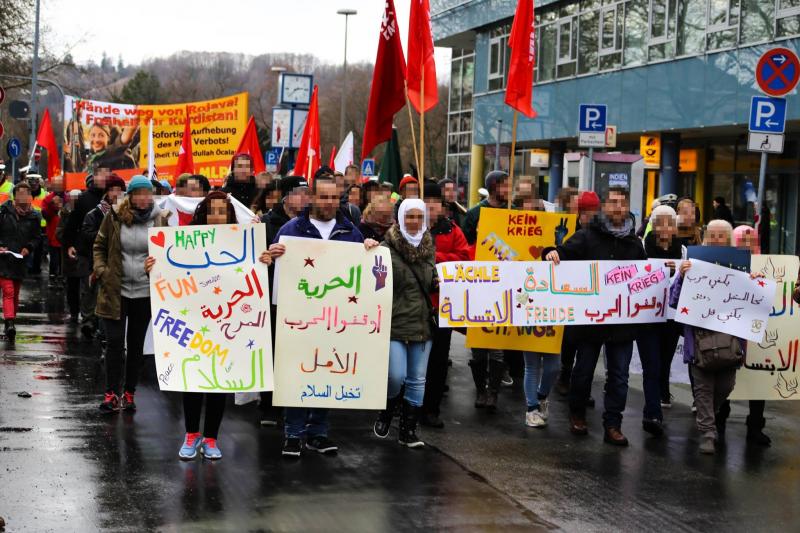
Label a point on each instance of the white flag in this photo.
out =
(344, 156)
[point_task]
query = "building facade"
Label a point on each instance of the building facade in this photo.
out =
(682, 71)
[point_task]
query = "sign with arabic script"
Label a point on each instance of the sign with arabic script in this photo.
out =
(333, 325)
(484, 293)
(210, 308)
(722, 299)
(513, 235)
(771, 370)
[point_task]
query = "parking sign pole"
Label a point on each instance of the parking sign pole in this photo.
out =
(762, 184)
(591, 169)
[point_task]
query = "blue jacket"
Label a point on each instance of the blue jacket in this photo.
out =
(301, 226)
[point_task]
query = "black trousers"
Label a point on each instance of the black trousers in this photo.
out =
(136, 311)
(436, 376)
(74, 295)
(215, 408)
(569, 347)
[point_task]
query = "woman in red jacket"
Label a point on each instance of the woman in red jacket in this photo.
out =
(451, 245)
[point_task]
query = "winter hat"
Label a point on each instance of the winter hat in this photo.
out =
(139, 182)
(408, 178)
(432, 190)
(492, 179)
(588, 200)
(166, 185)
(115, 181)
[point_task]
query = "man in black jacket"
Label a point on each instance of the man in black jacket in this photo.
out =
(610, 236)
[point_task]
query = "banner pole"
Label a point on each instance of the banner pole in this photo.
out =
(513, 150)
(421, 167)
(411, 123)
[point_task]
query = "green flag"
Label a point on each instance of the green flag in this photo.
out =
(391, 166)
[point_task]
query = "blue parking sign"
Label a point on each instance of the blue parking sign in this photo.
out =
(767, 114)
(592, 118)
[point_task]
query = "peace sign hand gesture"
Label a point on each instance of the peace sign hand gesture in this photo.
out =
(380, 271)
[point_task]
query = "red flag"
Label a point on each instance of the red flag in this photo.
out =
(332, 160)
(249, 145)
(47, 140)
(519, 88)
(309, 145)
(420, 57)
(387, 95)
(185, 160)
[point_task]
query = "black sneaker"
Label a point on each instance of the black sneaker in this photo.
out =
(653, 426)
(11, 331)
(88, 330)
(322, 444)
(291, 447)
(269, 417)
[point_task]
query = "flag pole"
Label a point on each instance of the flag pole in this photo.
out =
(421, 167)
(513, 150)
(413, 132)
(308, 169)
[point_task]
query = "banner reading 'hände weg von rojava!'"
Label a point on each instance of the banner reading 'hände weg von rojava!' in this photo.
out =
(116, 135)
(493, 293)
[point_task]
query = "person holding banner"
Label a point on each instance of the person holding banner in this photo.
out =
(321, 220)
(451, 245)
(216, 208)
(123, 295)
(414, 276)
(657, 342)
(710, 386)
(610, 236)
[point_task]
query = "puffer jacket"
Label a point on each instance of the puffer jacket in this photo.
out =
(108, 269)
(15, 234)
(410, 306)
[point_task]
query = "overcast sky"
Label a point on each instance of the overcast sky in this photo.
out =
(156, 28)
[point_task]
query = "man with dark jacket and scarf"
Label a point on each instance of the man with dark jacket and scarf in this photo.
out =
(20, 228)
(610, 236)
(241, 184)
(88, 200)
(321, 220)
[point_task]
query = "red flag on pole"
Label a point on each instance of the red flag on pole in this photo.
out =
(387, 95)
(185, 160)
(308, 156)
(47, 140)
(519, 88)
(249, 145)
(420, 57)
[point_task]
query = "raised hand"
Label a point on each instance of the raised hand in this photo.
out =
(380, 271)
(561, 232)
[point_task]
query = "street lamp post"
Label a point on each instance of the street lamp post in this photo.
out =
(34, 76)
(346, 13)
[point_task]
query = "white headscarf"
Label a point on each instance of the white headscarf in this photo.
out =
(406, 206)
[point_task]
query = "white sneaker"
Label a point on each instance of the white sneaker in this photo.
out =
(534, 419)
(544, 408)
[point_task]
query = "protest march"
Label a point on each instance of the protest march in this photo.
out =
(370, 313)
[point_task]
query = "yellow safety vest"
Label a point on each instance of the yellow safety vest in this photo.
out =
(6, 191)
(36, 203)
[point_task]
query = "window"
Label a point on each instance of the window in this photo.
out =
(756, 24)
(588, 42)
(691, 23)
(498, 57)
(662, 29)
(547, 53)
(567, 39)
(610, 35)
(787, 18)
(636, 32)
(722, 23)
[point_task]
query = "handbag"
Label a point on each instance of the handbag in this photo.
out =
(432, 322)
(716, 351)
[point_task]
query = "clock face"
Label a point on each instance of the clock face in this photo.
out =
(296, 89)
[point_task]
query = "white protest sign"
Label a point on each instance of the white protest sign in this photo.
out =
(333, 325)
(722, 299)
(520, 293)
(210, 308)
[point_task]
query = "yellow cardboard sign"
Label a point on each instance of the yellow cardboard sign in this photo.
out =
(509, 235)
(650, 148)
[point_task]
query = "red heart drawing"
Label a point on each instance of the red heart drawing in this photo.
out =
(158, 239)
(536, 251)
(648, 267)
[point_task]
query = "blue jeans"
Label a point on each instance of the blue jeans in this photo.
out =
(299, 421)
(618, 361)
(408, 363)
(540, 373)
(649, 344)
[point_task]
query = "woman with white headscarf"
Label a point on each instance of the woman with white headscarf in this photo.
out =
(414, 277)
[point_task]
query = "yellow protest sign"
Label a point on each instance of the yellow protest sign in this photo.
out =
(509, 235)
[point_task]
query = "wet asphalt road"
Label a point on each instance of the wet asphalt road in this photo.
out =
(64, 467)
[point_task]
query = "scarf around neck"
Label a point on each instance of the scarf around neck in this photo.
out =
(619, 232)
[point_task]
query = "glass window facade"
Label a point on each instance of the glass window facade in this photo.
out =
(459, 117)
(590, 36)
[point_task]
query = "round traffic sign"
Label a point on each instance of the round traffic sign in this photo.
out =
(13, 147)
(778, 71)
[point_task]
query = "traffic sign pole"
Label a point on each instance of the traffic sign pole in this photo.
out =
(762, 184)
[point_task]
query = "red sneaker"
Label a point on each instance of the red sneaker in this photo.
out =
(127, 401)
(110, 403)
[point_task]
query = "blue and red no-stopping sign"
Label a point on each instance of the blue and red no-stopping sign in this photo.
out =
(778, 71)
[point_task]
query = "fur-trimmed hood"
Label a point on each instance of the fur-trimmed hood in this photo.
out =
(409, 253)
